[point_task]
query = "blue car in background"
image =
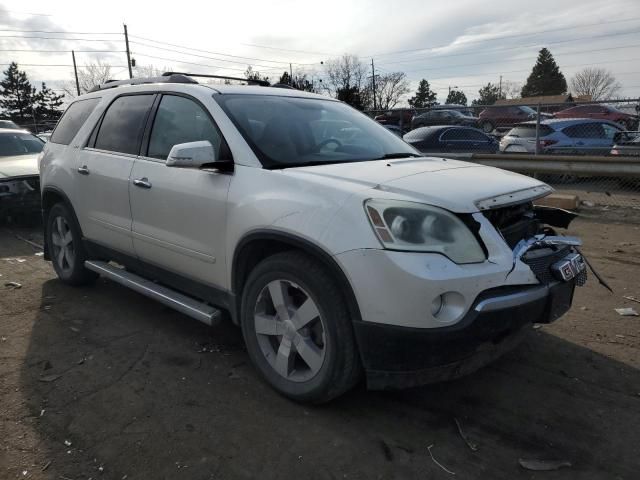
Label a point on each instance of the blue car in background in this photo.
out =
(577, 136)
(451, 138)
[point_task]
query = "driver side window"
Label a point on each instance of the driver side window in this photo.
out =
(180, 120)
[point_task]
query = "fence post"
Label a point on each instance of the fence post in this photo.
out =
(401, 122)
(538, 130)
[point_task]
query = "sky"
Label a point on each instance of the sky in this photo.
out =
(462, 44)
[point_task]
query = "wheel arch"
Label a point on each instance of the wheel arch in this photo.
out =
(260, 244)
(51, 196)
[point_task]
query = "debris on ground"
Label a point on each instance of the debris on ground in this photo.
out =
(633, 299)
(543, 465)
(50, 378)
(438, 463)
(45, 466)
(469, 443)
(537, 326)
(13, 285)
(67, 443)
(39, 254)
(626, 312)
(388, 454)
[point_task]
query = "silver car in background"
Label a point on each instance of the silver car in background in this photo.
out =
(569, 136)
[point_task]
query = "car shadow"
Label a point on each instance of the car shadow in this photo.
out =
(138, 390)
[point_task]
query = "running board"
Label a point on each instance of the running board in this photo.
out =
(172, 299)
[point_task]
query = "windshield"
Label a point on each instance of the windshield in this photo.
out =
(291, 131)
(19, 144)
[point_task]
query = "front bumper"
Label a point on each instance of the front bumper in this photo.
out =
(20, 197)
(400, 357)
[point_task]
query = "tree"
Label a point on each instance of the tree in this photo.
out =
(545, 78)
(250, 74)
(488, 95)
(347, 81)
(424, 97)
(596, 82)
(17, 96)
(390, 87)
(48, 105)
(511, 89)
(299, 81)
(285, 78)
(88, 77)
(456, 96)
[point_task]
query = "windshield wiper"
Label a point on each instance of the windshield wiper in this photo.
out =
(389, 156)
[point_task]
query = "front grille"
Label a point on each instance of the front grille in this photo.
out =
(515, 223)
(540, 260)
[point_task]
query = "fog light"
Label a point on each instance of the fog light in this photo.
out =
(436, 305)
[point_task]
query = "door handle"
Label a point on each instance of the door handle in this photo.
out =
(83, 170)
(142, 182)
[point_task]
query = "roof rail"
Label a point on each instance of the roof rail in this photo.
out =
(165, 78)
(262, 83)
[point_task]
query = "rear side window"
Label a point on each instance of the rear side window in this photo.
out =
(461, 134)
(585, 130)
(123, 124)
(72, 120)
(529, 131)
(180, 120)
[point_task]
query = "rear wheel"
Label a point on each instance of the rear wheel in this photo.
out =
(66, 249)
(298, 330)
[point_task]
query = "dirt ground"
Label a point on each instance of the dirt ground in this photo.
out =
(101, 382)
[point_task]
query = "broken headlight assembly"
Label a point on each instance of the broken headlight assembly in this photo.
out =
(416, 227)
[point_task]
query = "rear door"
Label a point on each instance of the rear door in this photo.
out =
(179, 214)
(104, 168)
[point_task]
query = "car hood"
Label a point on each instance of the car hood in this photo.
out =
(451, 184)
(18, 166)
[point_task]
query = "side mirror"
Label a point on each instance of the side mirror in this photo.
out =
(199, 154)
(191, 155)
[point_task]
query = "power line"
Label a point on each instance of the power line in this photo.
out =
(63, 32)
(288, 49)
(64, 39)
(471, 42)
(190, 63)
(61, 51)
(206, 51)
(198, 55)
(476, 52)
(56, 65)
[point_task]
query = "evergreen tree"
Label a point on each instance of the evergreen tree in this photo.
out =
(545, 78)
(456, 97)
(285, 79)
(488, 95)
(48, 104)
(250, 74)
(424, 96)
(17, 96)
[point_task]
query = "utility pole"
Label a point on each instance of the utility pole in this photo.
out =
(373, 82)
(290, 75)
(75, 71)
(126, 42)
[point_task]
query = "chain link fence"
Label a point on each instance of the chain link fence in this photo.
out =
(558, 127)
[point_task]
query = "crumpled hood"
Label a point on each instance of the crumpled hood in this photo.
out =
(458, 186)
(19, 166)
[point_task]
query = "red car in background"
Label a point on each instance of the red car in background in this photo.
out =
(392, 117)
(600, 112)
(506, 116)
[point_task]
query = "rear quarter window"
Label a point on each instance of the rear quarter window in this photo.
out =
(72, 120)
(529, 131)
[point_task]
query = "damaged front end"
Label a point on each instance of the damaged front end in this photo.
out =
(19, 198)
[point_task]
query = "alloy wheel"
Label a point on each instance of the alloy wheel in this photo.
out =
(63, 248)
(290, 330)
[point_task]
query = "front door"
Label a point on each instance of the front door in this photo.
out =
(179, 214)
(103, 172)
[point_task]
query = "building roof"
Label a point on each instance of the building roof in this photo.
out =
(544, 99)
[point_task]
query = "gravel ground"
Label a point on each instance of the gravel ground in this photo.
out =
(101, 382)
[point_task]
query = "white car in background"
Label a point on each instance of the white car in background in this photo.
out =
(337, 250)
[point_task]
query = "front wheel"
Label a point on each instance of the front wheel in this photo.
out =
(66, 249)
(297, 329)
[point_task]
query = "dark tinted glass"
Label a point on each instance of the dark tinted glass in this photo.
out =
(72, 120)
(419, 134)
(123, 124)
(19, 144)
(585, 130)
(456, 134)
(529, 131)
(180, 120)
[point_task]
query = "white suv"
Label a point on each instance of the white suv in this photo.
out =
(334, 245)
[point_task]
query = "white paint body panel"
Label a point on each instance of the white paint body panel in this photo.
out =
(190, 222)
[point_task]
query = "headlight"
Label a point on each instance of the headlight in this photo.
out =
(422, 228)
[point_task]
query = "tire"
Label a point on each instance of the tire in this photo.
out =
(330, 365)
(487, 127)
(66, 249)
